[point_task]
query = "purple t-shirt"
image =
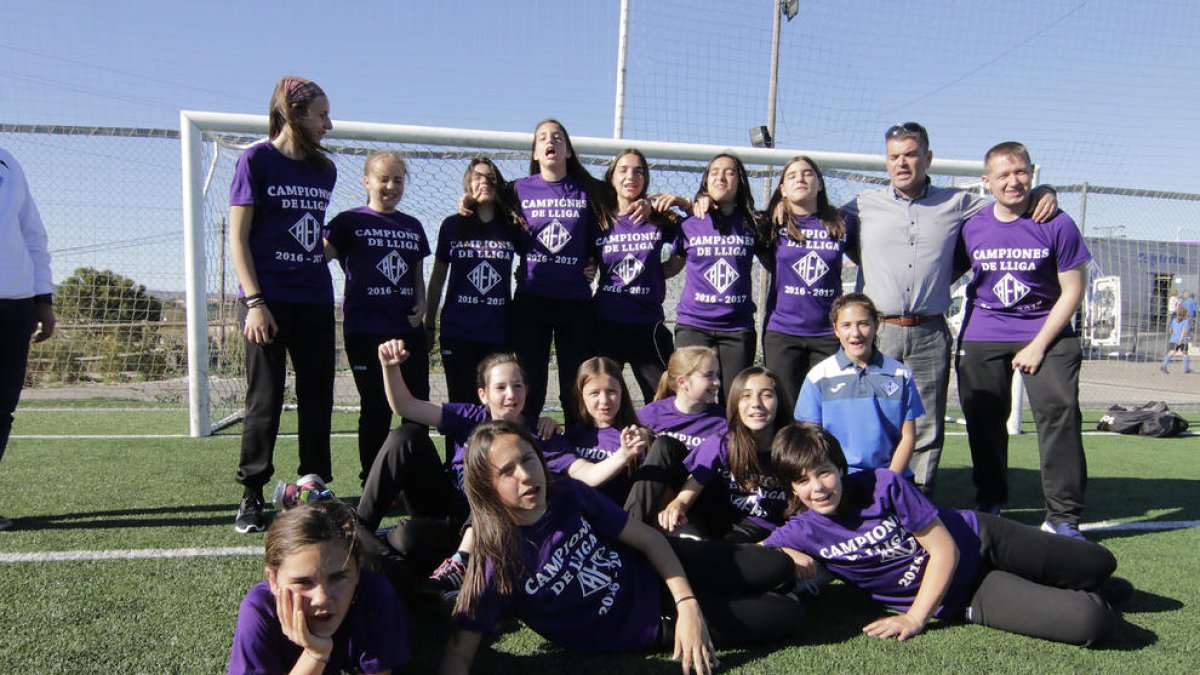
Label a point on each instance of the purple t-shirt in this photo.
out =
(808, 277)
(478, 281)
(662, 417)
(869, 541)
(557, 245)
(460, 419)
(289, 199)
(374, 637)
(595, 445)
(582, 589)
(716, 289)
(1016, 269)
(632, 287)
(709, 465)
(381, 254)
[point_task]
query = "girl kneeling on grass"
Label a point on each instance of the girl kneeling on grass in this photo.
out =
(320, 610)
(876, 531)
(584, 575)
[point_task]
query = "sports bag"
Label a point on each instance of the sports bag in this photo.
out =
(1149, 419)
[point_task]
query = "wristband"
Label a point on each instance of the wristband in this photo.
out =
(316, 657)
(685, 599)
(249, 300)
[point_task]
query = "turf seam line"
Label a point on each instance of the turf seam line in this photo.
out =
(128, 554)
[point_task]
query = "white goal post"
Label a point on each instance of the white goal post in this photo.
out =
(205, 173)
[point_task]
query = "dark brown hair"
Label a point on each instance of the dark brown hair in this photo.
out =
(743, 451)
(598, 201)
(286, 112)
(602, 365)
(313, 523)
(829, 214)
(800, 448)
(743, 201)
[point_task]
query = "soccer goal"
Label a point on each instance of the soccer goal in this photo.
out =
(437, 158)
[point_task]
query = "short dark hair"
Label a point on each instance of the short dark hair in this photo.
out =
(1007, 149)
(909, 130)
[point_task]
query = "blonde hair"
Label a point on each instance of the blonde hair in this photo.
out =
(684, 362)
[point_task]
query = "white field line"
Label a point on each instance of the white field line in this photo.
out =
(157, 553)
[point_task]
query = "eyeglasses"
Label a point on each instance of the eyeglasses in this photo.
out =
(908, 130)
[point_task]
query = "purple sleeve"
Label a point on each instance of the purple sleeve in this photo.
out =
(851, 222)
(913, 509)
(383, 627)
(241, 192)
(707, 458)
(648, 416)
(490, 608)
(790, 535)
(256, 647)
(460, 419)
(558, 453)
(335, 232)
(445, 236)
(1071, 250)
(424, 243)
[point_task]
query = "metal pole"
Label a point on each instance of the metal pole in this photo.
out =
(194, 264)
(776, 22)
(622, 47)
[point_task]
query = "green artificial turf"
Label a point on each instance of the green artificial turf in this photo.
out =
(177, 615)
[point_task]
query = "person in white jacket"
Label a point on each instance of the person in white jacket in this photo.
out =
(26, 300)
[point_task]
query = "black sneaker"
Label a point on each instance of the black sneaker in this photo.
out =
(1115, 590)
(447, 579)
(250, 516)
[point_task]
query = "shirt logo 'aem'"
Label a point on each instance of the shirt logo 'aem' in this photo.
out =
(810, 268)
(1009, 290)
(721, 275)
(393, 267)
(484, 277)
(307, 231)
(554, 236)
(629, 268)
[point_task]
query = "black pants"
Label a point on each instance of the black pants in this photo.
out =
(16, 326)
(306, 332)
(460, 361)
(740, 589)
(985, 390)
(1039, 584)
(735, 349)
(535, 324)
(791, 357)
(646, 347)
(711, 516)
(374, 413)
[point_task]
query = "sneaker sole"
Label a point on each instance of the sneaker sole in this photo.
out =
(247, 529)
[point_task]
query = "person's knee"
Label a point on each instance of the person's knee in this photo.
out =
(1095, 621)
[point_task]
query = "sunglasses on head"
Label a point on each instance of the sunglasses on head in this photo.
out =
(908, 130)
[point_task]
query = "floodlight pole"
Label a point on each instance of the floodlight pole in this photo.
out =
(622, 48)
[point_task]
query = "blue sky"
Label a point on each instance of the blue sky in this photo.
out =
(1102, 91)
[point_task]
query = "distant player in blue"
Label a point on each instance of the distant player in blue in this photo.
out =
(866, 399)
(1181, 327)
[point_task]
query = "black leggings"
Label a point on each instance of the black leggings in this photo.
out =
(741, 589)
(712, 516)
(1040, 584)
(535, 324)
(374, 413)
(735, 349)
(408, 466)
(460, 361)
(646, 347)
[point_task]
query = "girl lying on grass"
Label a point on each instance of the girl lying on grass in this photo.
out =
(319, 610)
(583, 574)
(876, 531)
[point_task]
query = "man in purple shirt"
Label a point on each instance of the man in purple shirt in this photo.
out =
(1028, 282)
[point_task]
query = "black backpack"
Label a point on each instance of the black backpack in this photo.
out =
(1148, 419)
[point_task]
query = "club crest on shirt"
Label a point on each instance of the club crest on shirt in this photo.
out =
(722, 275)
(1009, 290)
(484, 277)
(307, 231)
(629, 268)
(393, 267)
(554, 236)
(810, 268)
(890, 388)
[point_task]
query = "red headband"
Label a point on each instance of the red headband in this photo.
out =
(299, 90)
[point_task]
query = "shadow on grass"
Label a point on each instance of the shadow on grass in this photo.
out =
(1107, 498)
(161, 516)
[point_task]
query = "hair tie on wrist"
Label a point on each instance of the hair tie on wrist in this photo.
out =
(316, 657)
(684, 599)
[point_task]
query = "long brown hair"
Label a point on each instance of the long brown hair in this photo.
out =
(497, 535)
(743, 451)
(598, 202)
(506, 202)
(483, 372)
(743, 201)
(660, 219)
(289, 102)
(830, 215)
(683, 362)
(314, 522)
(597, 366)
